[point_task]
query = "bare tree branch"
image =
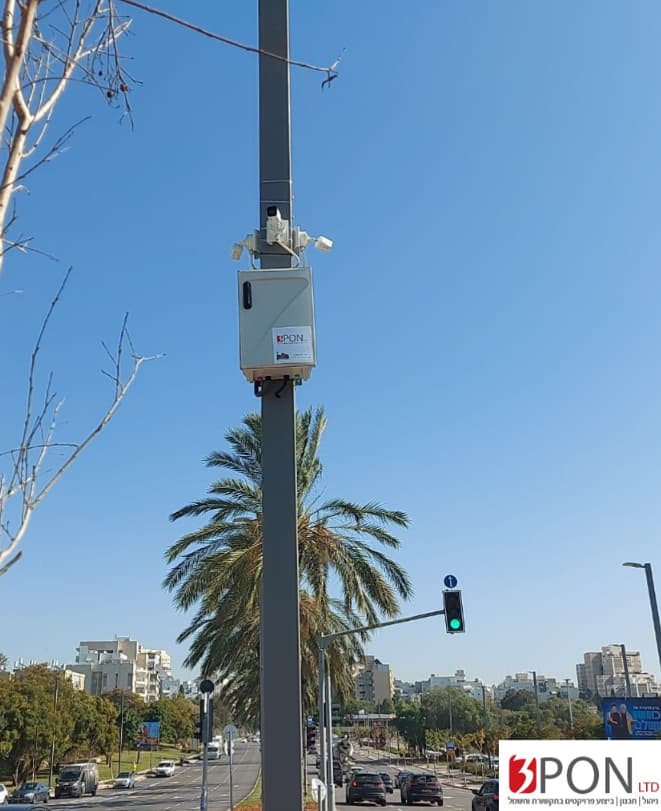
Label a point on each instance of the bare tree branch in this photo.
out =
(26, 483)
(44, 48)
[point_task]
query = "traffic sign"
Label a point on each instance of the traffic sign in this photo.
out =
(450, 581)
(450, 746)
(310, 720)
(318, 789)
(207, 686)
(230, 730)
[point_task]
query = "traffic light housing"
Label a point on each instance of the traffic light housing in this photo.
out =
(454, 612)
(310, 738)
(204, 726)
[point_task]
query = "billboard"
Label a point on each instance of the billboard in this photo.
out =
(627, 718)
(151, 730)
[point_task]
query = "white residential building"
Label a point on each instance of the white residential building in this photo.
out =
(603, 673)
(124, 664)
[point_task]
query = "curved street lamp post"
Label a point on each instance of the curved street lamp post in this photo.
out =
(653, 603)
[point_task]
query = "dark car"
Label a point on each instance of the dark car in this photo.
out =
(400, 777)
(338, 773)
(387, 782)
(366, 786)
(486, 796)
(30, 793)
(421, 787)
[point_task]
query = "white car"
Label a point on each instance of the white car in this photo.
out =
(124, 780)
(165, 768)
(4, 794)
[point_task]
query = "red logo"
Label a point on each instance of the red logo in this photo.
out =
(523, 774)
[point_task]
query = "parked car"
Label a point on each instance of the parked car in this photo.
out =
(417, 787)
(486, 796)
(165, 768)
(4, 794)
(387, 782)
(77, 779)
(30, 793)
(124, 780)
(366, 786)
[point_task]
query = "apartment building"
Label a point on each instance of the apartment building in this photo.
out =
(124, 664)
(374, 681)
(614, 671)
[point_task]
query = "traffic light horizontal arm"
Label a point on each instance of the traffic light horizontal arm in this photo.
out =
(326, 639)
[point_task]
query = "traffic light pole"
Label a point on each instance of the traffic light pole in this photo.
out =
(325, 700)
(204, 794)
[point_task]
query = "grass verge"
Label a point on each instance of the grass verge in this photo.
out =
(253, 802)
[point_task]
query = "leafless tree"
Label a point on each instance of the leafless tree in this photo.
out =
(47, 45)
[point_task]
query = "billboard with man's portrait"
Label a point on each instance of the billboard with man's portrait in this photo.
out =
(628, 718)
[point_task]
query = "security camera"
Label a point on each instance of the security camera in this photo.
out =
(323, 244)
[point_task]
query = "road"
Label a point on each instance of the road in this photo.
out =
(455, 797)
(181, 792)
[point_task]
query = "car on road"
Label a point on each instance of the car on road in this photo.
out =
(77, 779)
(30, 793)
(387, 781)
(165, 768)
(421, 787)
(486, 796)
(4, 794)
(400, 777)
(124, 780)
(338, 773)
(366, 786)
(351, 770)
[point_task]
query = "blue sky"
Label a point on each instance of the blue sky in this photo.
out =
(488, 330)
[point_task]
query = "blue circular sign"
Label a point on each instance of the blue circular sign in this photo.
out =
(450, 581)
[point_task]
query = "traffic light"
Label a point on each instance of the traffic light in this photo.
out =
(310, 738)
(454, 612)
(204, 727)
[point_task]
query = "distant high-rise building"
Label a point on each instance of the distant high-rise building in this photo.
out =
(603, 673)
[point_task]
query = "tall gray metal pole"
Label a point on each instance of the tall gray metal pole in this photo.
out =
(281, 708)
(625, 665)
(655, 608)
(571, 714)
(204, 791)
(322, 722)
(230, 747)
(537, 711)
(330, 786)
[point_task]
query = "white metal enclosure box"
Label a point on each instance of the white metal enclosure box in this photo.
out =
(276, 324)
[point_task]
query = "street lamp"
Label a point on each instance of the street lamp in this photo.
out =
(653, 604)
(537, 712)
(571, 714)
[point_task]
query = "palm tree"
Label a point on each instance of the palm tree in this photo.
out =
(218, 569)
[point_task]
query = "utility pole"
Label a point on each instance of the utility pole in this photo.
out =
(625, 666)
(52, 748)
(571, 714)
(281, 708)
(537, 711)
